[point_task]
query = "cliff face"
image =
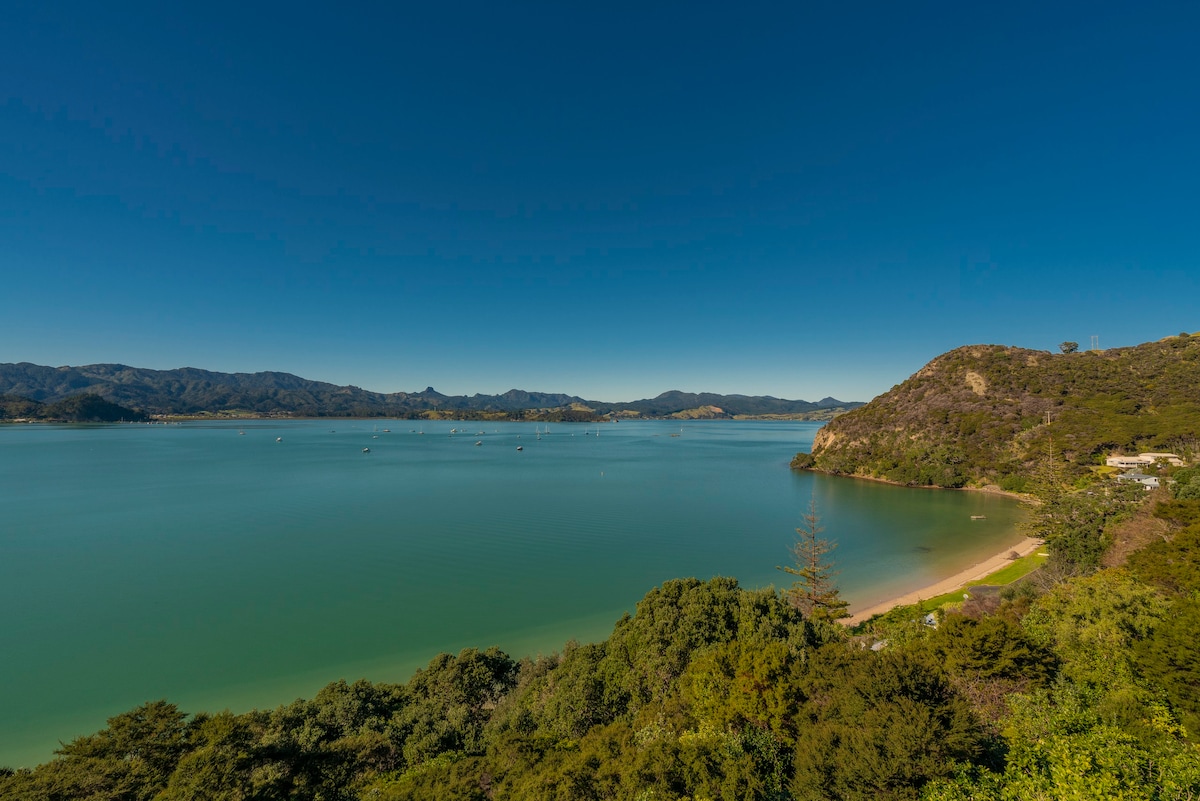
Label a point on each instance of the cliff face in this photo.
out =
(986, 413)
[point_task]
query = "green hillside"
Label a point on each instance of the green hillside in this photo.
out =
(83, 408)
(985, 414)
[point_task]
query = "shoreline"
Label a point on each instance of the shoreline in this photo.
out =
(949, 584)
(987, 489)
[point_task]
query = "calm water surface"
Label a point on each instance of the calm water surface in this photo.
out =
(222, 569)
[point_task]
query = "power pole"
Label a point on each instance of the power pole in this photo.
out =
(1095, 342)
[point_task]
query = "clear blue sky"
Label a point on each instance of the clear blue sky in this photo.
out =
(609, 200)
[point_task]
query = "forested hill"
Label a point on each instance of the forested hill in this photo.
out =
(675, 403)
(85, 408)
(978, 414)
(190, 391)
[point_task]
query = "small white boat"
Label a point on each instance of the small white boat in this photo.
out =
(279, 439)
(366, 450)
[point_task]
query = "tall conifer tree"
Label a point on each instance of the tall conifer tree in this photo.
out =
(815, 591)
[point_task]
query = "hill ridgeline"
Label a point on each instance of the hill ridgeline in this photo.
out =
(189, 391)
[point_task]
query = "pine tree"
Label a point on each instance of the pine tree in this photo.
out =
(1047, 490)
(815, 591)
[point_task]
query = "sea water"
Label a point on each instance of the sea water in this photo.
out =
(245, 564)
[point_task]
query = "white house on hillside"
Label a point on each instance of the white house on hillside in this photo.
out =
(1149, 482)
(1142, 460)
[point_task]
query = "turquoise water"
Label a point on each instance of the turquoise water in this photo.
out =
(222, 569)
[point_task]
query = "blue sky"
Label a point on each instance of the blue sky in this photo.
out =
(614, 200)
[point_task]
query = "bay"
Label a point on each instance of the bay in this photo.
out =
(245, 564)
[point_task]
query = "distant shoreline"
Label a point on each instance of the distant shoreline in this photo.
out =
(167, 419)
(959, 580)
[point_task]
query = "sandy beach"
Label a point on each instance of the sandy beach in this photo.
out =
(964, 577)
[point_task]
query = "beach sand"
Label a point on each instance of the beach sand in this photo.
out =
(972, 574)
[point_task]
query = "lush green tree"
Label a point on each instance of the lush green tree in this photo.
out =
(751, 683)
(130, 760)
(878, 725)
(1170, 659)
(990, 647)
(323, 747)
(227, 763)
(449, 703)
(563, 696)
(988, 659)
(1069, 347)
(648, 652)
(649, 710)
(1185, 484)
(1173, 564)
(747, 683)
(1076, 524)
(1092, 622)
(1179, 513)
(1061, 746)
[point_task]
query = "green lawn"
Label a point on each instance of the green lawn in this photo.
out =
(1017, 568)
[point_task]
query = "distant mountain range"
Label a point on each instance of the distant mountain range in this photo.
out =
(190, 391)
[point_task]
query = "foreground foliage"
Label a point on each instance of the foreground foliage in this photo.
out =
(1088, 689)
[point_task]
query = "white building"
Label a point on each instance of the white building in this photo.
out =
(1149, 482)
(1142, 460)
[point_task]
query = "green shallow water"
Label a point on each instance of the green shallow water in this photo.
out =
(228, 570)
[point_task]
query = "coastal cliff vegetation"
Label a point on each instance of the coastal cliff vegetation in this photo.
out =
(987, 414)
